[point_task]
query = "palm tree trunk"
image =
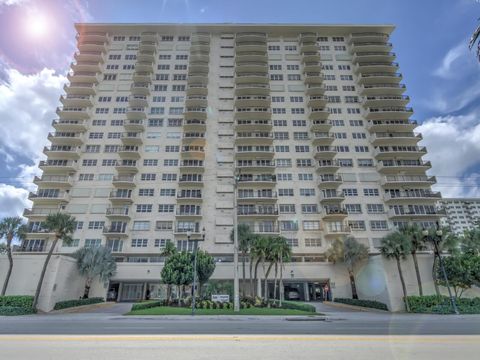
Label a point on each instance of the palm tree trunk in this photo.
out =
(88, 284)
(256, 277)
(404, 288)
(243, 273)
(275, 284)
(434, 276)
(352, 284)
(281, 290)
(265, 285)
(169, 293)
(417, 271)
(10, 266)
(42, 274)
(251, 276)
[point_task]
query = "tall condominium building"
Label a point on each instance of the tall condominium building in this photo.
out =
(460, 213)
(164, 126)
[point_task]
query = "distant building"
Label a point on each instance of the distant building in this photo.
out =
(461, 213)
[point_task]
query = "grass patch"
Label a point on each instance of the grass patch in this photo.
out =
(168, 310)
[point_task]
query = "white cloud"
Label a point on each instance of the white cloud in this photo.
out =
(453, 144)
(12, 2)
(13, 201)
(27, 108)
(445, 70)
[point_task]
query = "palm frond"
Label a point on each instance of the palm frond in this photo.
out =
(473, 39)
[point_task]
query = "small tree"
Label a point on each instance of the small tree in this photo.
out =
(415, 235)
(178, 270)
(168, 251)
(93, 262)
(462, 272)
(396, 246)
(62, 226)
(470, 243)
(350, 252)
(245, 240)
(10, 228)
(205, 268)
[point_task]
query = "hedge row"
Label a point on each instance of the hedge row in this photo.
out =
(15, 310)
(297, 306)
(21, 301)
(148, 305)
(72, 303)
(434, 304)
(363, 303)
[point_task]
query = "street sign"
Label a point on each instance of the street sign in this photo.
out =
(220, 298)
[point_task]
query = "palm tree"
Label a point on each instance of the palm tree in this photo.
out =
(259, 252)
(11, 227)
(168, 251)
(95, 262)
(271, 255)
(396, 246)
(474, 39)
(62, 226)
(245, 239)
(415, 235)
(350, 252)
(282, 253)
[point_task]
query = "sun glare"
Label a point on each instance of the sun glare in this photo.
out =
(37, 26)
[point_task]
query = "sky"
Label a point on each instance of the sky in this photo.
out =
(37, 42)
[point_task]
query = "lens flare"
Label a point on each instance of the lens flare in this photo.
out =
(37, 25)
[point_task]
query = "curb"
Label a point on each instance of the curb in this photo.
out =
(354, 307)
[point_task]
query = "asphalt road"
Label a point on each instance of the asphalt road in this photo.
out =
(334, 323)
(241, 347)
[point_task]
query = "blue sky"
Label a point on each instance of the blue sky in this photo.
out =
(442, 76)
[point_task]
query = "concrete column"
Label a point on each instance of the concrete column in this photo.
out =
(305, 291)
(259, 287)
(120, 288)
(144, 292)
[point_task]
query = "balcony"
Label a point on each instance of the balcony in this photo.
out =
(395, 138)
(359, 46)
(148, 45)
(310, 56)
(250, 151)
(92, 56)
(80, 89)
(117, 231)
(373, 56)
(190, 213)
(252, 179)
(404, 152)
(329, 181)
(411, 213)
(262, 165)
(308, 47)
(182, 231)
(121, 197)
(325, 152)
(39, 212)
(264, 138)
(408, 180)
(318, 114)
(78, 101)
(385, 113)
(385, 126)
(194, 125)
(126, 166)
(412, 196)
(382, 89)
(327, 166)
(92, 36)
(134, 125)
(125, 181)
(199, 37)
(197, 89)
(313, 78)
(253, 125)
(251, 67)
(256, 196)
(247, 47)
(252, 100)
(190, 195)
(308, 37)
(400, 166)
(323, 138)
(196, 78)
(191, 180)
(379, 78)
(192, 166)
(200, 46)
(253, 57)
(252, 113)
(320, 126)
(58, 166)
(73, 113)
(313, 67)
(192, 152)
(247, 37)
(368, 36)
(142, 76)
(87, 77)
(196, 101)
(129, 152)
(376, 67)
(65, 138)
(195, 113)
(89, 66)
(136, 113)
(49, 198)
(56, 181)
(146, 55)
(386, 101)
(315, 89)
(62, 151)
(194, 138)
(120, 213)
(317, 101)
(252, 78)
(328, 196)
(144, 66)
(132, 138)
(252, 89)
(336, 231)
(149, 36)
(334, 213)
(257, 211)
(140, 89)
(69, 125)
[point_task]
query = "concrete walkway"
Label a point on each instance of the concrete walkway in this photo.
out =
(109, 308)
(327, 309)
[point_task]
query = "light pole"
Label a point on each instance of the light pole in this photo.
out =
(434, 239)
(195, 244)
(236, 287)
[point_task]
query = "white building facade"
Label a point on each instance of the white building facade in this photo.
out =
(460, 213)
(159, 120)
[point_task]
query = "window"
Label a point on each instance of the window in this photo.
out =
(139, 242)
(305, 177)
(150, 162)
(345, 162)
(278, 98)
(375, 209)
(274, 47)
(86, 177)
(99, 122)
(279, 122)
(350, 192)
(297, 111)
(356, 122)
(116, 122)
(307, 192)
(93, 242)
(287, 208)
(365, 162)
(304, 162)
(292, 242)
(161, 77)
(378, 225)
(289, 225)
(276, 77)
(284, 177)
(353, 208)
(311, 225)
(313, 242)
(275, 67)
(141, 225)
(361, 149)
(300, 123)
(170, 162)
(293, 67)
(282, 148)
(110, 77)
(148, 177)
(294, 77)
(89, 162)
(166, 208)
(284, 162)
(285, 192)
(348, 88)
(161, 242)
(167, 38)
(290, 48)
(357, 225)
(155, 122)
(144, 208)
(309, 209)
(169, 177)
(167, 192)
(302, 148)
(370, 192)
(96, 225)
(146, 192)
(115, 245)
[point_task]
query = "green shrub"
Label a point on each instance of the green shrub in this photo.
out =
(363, 303)
(434, 304)
(22, 301)
(72, 303)
(15, 310)
(149, 304)
(296, 306)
